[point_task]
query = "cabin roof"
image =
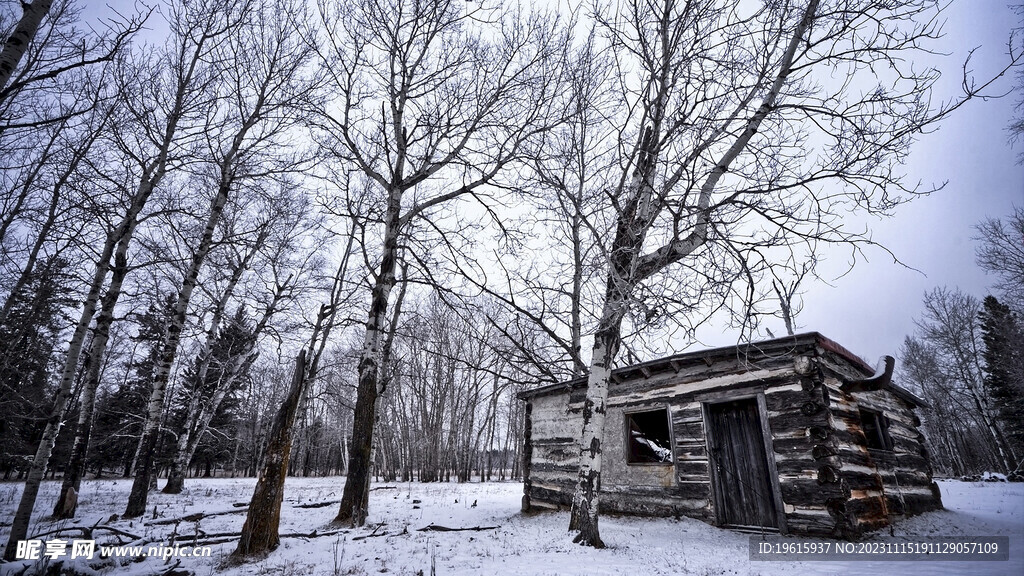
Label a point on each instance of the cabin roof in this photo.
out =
(750, 352)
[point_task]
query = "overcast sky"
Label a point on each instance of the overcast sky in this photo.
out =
(872, 309)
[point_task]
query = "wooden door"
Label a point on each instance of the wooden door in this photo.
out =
(741, 483)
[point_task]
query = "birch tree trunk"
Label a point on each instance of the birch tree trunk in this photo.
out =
(19, 529)
(357, 479)
(17, 43)
(260, 63)
(73, 472)
(195, 414)
(628, 266)
(585, 504)
(198, 420)
(144, 468)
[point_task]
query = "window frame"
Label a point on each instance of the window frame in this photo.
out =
(626, 418)
(881, 425)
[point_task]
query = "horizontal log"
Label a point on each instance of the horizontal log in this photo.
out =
(692, 469)
(914, 504)
(796, 466)
(907, 479)
(542, 467)
(636, 505)
(820, 451)
(860, 480)
(559, 440)
(786, 400)
(808, 492)
(691, 451)
(800, 445)
(553, 497)
(871, 524)
(857, 456)
(907, 445)
(812, 524)
(895, 460)
(688, 432)
(556, 454)
(692, 490)
(692, 500)
(846, 411)
(885, 401)
(849, 437)
(796, 420)
(871, 506)
(553, 478)
(436, 528)
(687, 415)
(711, 389)
(195, 517)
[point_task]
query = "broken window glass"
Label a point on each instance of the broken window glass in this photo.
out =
(648, 437)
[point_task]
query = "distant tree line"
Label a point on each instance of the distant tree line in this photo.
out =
(967, 360)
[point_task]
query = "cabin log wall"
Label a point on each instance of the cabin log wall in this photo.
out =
(828, 481)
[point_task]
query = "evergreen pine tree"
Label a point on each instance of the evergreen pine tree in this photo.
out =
(1003, 358)
(27, 341)
(121, 411)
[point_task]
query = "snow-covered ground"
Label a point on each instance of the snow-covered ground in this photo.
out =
(532, 544)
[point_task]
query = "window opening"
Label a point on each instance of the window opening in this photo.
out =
(876, 428)
(648, 440)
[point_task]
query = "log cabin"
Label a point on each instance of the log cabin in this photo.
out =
(792, 435)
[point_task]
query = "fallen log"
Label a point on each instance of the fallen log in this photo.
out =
(195, 517)
(212, 539)
(437, 528)
(373, 534)
(86, 532)
(332, 502)
(316, 504)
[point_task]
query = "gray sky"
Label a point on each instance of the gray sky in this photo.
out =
(872, 308)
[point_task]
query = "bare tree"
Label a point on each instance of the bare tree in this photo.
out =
(563, 186)
(1001, 253)
(957, 441)
(435, 100)
(17, 43)
(123, 230)
(787, 292)
(260, 530)
(29, 59)
(953, 365)
(732, 142)
(260, 67)
(284, 224)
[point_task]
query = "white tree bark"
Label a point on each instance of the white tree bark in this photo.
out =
(17, 43)
(197, 421)
(172, 336)
(124, 231)
(628, 267)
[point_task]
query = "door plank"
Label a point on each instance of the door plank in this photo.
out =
(743, 493)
